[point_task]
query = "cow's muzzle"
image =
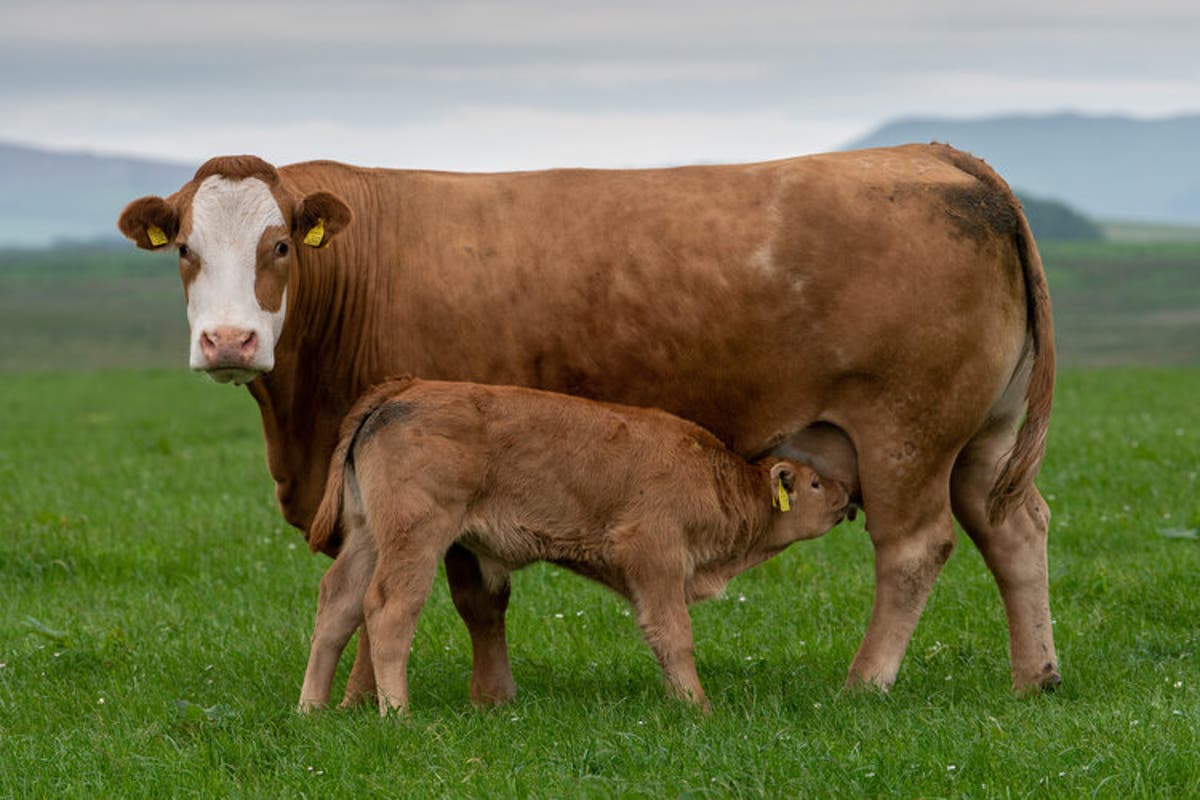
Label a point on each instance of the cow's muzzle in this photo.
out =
(229, 354)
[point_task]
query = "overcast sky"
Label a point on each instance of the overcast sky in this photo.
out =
(529, 84)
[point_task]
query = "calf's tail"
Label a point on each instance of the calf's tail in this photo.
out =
(327, 522)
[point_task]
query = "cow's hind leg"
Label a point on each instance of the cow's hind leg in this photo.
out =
(482, 607)
(908, 517)
(1015, 552)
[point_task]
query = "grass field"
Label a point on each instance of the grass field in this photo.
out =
(155, 608)
(156, 614)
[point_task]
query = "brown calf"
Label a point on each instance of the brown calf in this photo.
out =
(650, 505)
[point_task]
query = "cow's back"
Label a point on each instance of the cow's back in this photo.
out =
(752, 299)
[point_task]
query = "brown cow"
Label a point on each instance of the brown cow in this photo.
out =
(650, 505)
(893, 294)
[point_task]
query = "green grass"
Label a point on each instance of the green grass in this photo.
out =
(1125, 304)
(156, 611)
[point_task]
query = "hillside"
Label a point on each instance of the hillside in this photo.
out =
(50, 196)
(1113, 168)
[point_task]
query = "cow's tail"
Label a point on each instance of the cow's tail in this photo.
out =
(1024, 459)
(327, 523)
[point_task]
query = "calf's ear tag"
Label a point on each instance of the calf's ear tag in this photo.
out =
(316, 234)
(156, 235)
(784, 504)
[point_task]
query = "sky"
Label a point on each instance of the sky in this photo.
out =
(533, 83)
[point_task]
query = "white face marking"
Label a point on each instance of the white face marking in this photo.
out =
(228, 220)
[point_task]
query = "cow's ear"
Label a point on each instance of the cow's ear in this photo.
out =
(319, 217)
(150, 222)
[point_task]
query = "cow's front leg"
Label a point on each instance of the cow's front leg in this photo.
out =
(360, 686)
(482, 608)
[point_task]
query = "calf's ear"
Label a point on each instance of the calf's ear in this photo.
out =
(319, 217)
(149, 222)
(782, 472)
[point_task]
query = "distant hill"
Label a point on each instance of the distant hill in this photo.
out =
(1053, 221)
(1111, 168)
(48, 197)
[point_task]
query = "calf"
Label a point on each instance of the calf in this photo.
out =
(650, 505)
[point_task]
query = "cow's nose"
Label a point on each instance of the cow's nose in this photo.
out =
(226, 345)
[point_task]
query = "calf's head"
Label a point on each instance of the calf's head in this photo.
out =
(807, 504)
(238, 227)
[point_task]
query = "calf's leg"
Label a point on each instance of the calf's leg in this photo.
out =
(482, 604)
(407, 561)
(339, 612)
(1015, 551)
(655, 577)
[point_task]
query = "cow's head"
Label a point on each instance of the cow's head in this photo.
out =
(238, 227)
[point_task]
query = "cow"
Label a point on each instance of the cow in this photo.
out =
(652, 506)
(894, 295)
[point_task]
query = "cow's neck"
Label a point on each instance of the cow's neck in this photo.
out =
(323, 361)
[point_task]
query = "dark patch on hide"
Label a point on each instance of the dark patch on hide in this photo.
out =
(981, 212)
(388, 413)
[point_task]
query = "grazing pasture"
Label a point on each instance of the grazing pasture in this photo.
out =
(155, 608)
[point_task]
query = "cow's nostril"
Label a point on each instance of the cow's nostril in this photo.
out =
(816, 482)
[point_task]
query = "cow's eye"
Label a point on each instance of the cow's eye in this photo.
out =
(184, 252)
(281, 249)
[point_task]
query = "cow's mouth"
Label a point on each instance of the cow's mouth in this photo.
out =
(236, 375)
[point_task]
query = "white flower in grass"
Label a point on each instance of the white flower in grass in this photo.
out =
(100, 701)
(951, 768)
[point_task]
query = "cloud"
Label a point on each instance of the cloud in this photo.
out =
(485, 139)
(527, 83)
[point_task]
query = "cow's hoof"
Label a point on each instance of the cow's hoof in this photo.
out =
(357, 699)
(1044, 682)
(857, 684)
(493, 696)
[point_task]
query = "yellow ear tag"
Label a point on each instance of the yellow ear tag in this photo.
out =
(784, 505)
(156, 235)
(316, 234)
